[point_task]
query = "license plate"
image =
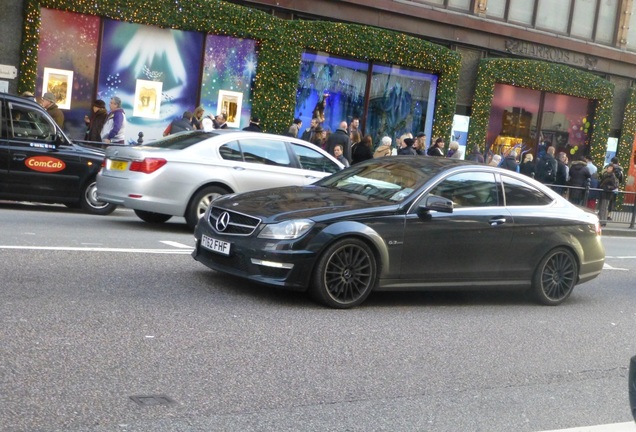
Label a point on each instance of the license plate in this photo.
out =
(117, 165)
(215, 245)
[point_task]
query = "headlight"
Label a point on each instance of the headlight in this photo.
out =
(287, 230)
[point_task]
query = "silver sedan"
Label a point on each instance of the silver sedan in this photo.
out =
(181, 174)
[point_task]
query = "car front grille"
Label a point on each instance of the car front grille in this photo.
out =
(237, 224)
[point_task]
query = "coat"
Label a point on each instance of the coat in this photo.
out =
(339, 137)
(94, 132)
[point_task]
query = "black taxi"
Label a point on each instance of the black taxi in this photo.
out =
(39, 163)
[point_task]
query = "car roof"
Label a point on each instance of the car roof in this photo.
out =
(27, 100)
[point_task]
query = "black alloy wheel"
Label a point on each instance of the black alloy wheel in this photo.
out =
(345, 274)
(555, 277)
(150, 217)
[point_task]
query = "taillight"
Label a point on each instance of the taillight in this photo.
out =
(148, 165)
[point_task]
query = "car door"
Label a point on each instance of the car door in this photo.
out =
(38, 166)
(266, 163)
(534, 218)
(469, 245)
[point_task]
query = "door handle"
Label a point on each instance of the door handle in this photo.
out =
(498, 220)
(19, 156)
(238, 168)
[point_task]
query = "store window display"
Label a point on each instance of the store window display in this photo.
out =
(522, 118)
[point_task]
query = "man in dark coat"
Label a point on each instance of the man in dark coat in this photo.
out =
(254, 125)
(546, 167)
(510, 161)
(182, 124)
(579, 177)
(49, 104)
(340, 136)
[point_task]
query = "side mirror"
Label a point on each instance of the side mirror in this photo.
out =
(436, 203)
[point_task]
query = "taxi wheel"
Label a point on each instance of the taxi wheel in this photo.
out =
(90, 203)
(150, 217)
(200, 203)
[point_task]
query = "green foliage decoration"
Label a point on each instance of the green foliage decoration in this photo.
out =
(280, 46)
(543, 76)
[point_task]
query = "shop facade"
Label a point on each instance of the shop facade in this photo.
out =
(161, 61)
(410, 67)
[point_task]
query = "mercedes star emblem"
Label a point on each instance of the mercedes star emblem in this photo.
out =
(222, 222)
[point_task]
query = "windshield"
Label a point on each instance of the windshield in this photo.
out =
(392, 181)
(181, 140)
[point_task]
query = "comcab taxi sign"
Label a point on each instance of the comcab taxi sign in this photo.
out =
(45, 164)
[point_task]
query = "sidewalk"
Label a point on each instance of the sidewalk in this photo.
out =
(616, 229)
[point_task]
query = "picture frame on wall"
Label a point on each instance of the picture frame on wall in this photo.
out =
(147, 99)
(60, 83)
(230, 104)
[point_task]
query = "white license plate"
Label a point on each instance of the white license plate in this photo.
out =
(215, 245)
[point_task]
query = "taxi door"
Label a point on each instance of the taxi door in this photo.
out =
(38, 166)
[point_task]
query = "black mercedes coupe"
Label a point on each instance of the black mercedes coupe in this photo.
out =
(403, 223)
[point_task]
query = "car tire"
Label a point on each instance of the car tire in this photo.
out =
(153, 218)
(90, 204)
(345, 274)
(200, 203)
(555, 277)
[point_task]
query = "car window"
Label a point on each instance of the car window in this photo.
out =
(181, 140)
(265, 151)
(231, 151)
(25, 122)
(471, 189)
(313, 160)
(519, 193)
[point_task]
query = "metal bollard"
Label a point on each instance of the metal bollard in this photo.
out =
(632, 386)
(140, 140)
(586, 194)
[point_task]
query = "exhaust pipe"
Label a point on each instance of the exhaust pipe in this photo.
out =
(632, 386)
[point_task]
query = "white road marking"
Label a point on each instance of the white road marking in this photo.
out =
(614, 427)
(176, 244)
(95, 249)
(606, 266)
(620, 257)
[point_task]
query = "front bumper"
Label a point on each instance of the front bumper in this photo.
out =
(268, 262)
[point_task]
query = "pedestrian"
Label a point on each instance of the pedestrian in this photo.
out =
(436, 149)
(384, 149)
(338, 154)
(420, 144)
(495, 160)
(580, 177)
(618, 172)
(221, 121)
(362, 151)
(527, 166)
(546, 167)
(254, 125)
(182, 124)
(407, 147)
(294, 129)
(48, 102)
(475, 155)
(197, 117)
(510, 161)
(453, 151)
(114, 130)
(308, 134)
(340, 136)
(95, 123)
(608, 184)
